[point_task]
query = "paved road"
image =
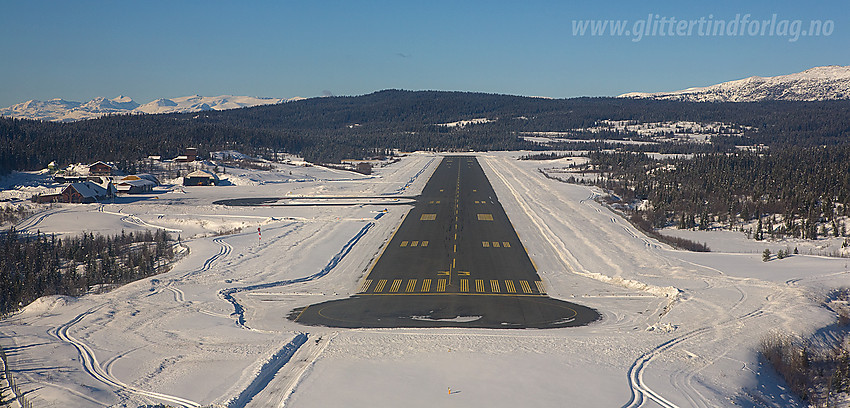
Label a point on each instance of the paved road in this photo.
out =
(456, 261)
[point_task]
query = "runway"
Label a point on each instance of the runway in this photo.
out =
(454, 261)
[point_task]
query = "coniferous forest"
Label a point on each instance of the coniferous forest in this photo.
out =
(791, 192)
(334, 128)
(40, 265)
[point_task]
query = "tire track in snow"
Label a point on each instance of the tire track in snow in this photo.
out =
(641, 392)
(179, 296)
(239, 310)
(93, 368)
(36, 219)
(223, 251)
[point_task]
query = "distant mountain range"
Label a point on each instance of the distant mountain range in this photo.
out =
(60, 110)
(815, 84)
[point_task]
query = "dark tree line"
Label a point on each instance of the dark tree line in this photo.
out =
(799, 192)
(330, 129)
(39, 265)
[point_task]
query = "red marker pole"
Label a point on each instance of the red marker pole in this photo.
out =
(259, 236)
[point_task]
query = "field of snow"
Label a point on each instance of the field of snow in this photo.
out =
(679, 329)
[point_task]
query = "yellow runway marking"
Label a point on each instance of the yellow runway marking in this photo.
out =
(380, 286)
(509, 285)
(411, 285)
(525, 287)
(485, 217)
(441, 285)
(455, 248)
(540, 287)
(485, 244)
(426, 285)
(414, 243)
(396, 285)
(428, 217)
(403, 244)
(496, 244)
(506, 244)
(464, 285)
(479, 285)
(424, 243)
(365, 286)
(462, 273)
(494, 286)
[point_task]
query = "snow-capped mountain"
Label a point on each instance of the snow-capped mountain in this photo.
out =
(60, 110)
(815, 84)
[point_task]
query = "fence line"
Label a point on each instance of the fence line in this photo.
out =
(13, 385)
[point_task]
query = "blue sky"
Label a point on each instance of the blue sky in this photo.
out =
(78, 50)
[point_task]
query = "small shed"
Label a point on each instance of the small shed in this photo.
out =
(200, 178)
(364, 168)
(100, 169)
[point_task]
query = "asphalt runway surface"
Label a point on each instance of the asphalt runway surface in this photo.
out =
(455, 261)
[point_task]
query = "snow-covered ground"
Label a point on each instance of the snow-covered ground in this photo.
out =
(679, 329)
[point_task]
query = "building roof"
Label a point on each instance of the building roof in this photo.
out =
(100, 162)
(88, 189)
(137, 182)
(202, 173)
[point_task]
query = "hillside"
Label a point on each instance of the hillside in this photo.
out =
(815, 84)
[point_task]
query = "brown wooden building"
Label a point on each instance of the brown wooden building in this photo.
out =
(100, 169)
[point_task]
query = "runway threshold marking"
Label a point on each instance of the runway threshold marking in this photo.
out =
(525, 287)
(441, 285)
(494, 286)
(411, 285)
(464, 285)
(365, 286)
(540, 288)
(485, 217)
(428, 217)
(426, 285)
(403, 244)
(479, 285)
(380, 286)
(509, 285)
(396, 285)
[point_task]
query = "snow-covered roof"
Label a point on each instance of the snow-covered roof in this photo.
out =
(142, 176)
(88, 189)
(100, 162)
(137, 183)
(202, 173)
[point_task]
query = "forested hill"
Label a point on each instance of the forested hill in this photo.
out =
(333, 128)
